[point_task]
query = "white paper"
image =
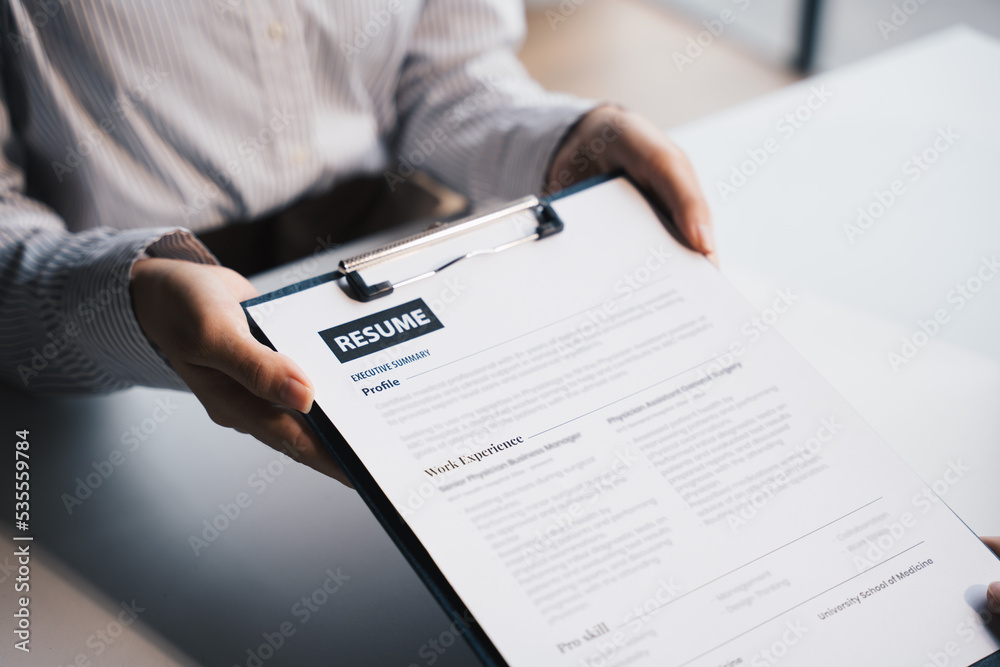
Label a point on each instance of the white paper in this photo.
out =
(614, 463)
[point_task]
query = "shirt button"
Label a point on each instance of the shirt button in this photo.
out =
(276, 30)
(299, 155)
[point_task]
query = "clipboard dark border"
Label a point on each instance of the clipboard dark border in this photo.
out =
(371, 493)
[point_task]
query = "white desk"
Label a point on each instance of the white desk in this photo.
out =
(130, 539)
(785, 228)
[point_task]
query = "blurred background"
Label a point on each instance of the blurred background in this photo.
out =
(677, 60)
(674, 61)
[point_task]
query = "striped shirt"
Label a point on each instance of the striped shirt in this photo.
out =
(126, 123)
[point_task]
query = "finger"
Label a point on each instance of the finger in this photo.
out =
(286, 432)
(993, 543)
(671, 177)
(229, 404)
(661, 167)
(993, 590)
(262, 371)
(993, 597)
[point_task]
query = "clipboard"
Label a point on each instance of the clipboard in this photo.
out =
(547, 223)
(351, 273)
(866, 482)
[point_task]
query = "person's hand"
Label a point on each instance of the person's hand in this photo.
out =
(192, 313)
(609, 138)
(993, 592)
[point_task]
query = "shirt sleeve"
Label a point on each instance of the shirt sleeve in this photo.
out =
(469, 113)
(65, 307)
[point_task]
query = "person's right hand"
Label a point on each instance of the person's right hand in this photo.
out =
(192, 313)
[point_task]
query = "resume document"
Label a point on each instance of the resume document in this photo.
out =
(610, 468)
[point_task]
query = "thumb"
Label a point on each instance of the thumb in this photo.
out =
(264, 372)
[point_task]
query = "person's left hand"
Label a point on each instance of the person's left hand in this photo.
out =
(609, 138)
(993, 592)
